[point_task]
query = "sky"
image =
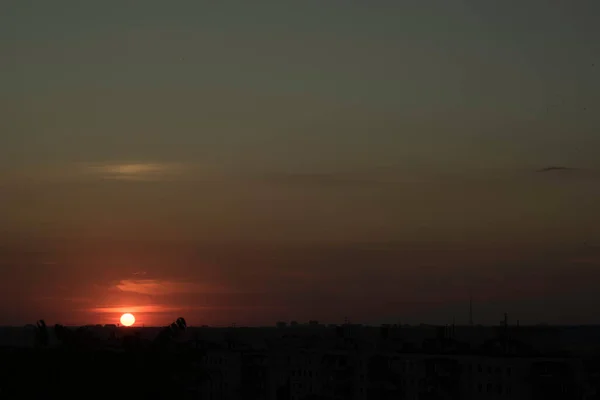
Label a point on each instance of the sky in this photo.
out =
(248, 162)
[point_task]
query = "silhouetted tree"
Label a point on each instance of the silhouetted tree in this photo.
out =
(170, 332)
(170, 362)
(41, 334)
(181, 323)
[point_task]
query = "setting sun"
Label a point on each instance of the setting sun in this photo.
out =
(127, 319)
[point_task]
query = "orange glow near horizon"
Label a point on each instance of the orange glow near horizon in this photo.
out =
(127, 319)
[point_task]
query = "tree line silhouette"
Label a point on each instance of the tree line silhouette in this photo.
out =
(81, 364)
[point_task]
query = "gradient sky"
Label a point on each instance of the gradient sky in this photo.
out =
(253, 161)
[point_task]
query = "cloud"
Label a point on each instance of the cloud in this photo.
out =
(556, 168)
(121, 171)
(152, 308)
(134, 171)
(162, 287)
(340, 179)
(318, 179)
(158, 308)
(571, 172)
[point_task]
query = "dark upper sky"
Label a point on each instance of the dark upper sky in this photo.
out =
(249, 161)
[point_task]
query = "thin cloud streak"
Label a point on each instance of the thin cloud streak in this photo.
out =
(134, 171)
(570, 172)
(556, 168)
(83, 172)
(158, 309)
(162, 287)
(358, 178)
(382, 177)
(334, 179)
(396, 177)
(153, 308)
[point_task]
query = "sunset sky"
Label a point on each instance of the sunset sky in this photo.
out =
(247, 162)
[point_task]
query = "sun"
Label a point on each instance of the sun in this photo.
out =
(127, 319)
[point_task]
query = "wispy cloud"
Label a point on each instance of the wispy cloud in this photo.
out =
(152, 308)
(570, 172)
(163, 287)
(556, 168)
(134, 171)
(121, 171)
(157, 308)
(341, 179)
